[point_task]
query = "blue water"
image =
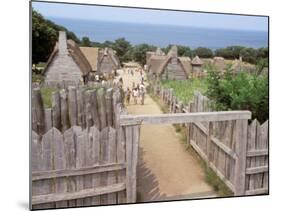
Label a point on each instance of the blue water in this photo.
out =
(162, 35)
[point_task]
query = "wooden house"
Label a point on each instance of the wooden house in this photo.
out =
(196, 66)
(108, 61)
(66, 65)
(170, 66)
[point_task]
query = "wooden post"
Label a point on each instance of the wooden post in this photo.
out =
(56, 110)
(72, 105)
(101, 108)
(64, 111)
(38, 115)
(240, 149)
(109, 107)
(208, 143)
(132, 143)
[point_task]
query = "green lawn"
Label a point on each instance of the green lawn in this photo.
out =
(184, 90)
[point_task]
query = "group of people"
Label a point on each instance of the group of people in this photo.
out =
(138, 92)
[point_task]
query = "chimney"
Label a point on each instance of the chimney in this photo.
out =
(62, 43)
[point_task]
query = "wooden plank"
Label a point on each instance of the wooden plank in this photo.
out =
(121, 150)
(101, 108)
(240, 149)
(38, 117)
(104, 158)
(198, 150)
(77, 195)
(47, 186)
(129, 157)
(48, 118)
(257, 191)
(256, 170)
(266, 161)
(201, 127)
(88, 112)
(258, 152)
(59, 164)
(251, 146)
(80, 108)
(112, 157)
(135, 147)
(56, 110)
(64, 111)
(184, 118)
(72, 105)
(222, 177)
(223, 147)
(109, 107)
(36, 161)
(70, 153)
(95, 149)
(40, 175)
(80, 159)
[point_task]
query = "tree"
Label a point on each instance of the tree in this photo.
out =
(86, 42)
(121, 46)
(184, 51)
(139, 52)
(44, 36)
(203, 52)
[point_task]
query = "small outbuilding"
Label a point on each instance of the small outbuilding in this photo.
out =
(196, 66)
(66, 65)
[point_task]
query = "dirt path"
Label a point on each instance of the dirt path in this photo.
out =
(165, 169)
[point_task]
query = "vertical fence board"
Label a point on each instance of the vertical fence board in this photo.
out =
(64, 110)
(56, 110)
(72, 105)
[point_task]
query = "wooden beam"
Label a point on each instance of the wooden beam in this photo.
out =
(256, 170)
(198, 150)
(257, 191)
(77, 171)
(40, 199)
(225, 148)
(259, 152)
(201, 127)
(178, 118)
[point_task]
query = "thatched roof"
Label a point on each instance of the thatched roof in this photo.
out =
(186, 63)
(91, 54)
(219, 63)
(196, 61)
(64, 47)
(111, 54)
(155, 62)
(159, 52)
(173, 51)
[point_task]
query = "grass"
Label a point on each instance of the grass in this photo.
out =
(211, 178)
(209, 175)
(46, 94)
(184, 90)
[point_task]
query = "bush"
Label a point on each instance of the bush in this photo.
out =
(242, 91)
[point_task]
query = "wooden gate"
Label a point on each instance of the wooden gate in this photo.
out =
(236, 155)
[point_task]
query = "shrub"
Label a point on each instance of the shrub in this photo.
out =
(242, 91)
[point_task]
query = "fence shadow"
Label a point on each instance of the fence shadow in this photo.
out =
(147, 184)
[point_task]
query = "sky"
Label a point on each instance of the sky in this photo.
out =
(194, 19)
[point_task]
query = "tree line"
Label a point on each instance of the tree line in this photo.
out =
(45, 35)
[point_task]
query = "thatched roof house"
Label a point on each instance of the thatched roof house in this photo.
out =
(108, 61)
(67, 64)
(170, 66)
(91, 54)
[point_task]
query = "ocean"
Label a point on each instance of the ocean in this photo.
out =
(163, 35)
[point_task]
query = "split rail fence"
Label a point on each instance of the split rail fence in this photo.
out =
(235, 151)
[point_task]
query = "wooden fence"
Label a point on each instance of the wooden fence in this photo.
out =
(235, 151)
(80, 154)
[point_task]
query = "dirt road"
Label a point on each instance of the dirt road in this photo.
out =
(165, 169)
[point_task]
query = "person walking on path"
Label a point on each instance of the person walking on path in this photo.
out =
(142, 93)
(128, 95)
(135, 95)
